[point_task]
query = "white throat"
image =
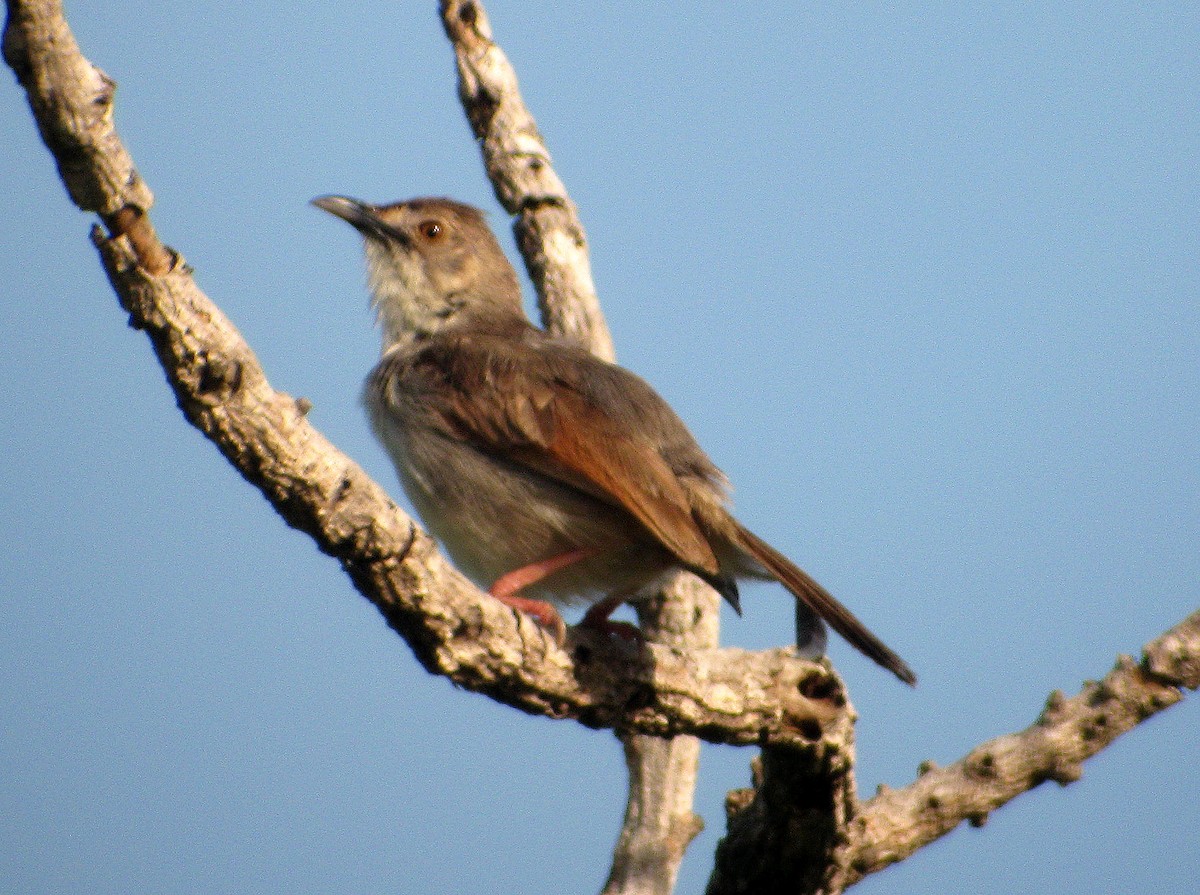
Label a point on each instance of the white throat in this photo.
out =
(397, 286)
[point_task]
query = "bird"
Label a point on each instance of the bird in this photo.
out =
(550, 476)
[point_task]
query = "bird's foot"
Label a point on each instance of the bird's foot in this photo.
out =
(543, 613)
(597, 619)
(506, 586)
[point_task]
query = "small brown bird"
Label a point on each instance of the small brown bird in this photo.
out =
(547, 473)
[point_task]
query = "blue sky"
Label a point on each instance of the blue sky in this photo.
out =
(923, 281)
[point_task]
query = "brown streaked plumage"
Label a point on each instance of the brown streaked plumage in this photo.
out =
(542, 469)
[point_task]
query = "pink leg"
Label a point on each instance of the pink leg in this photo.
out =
(598, 619)
(506, 586)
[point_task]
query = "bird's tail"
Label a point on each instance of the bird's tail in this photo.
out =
(823, 604)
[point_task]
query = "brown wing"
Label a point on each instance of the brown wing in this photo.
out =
(527, 400)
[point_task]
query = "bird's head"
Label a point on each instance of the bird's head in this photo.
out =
(431, 264)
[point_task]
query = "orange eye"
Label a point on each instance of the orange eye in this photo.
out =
(431, 229)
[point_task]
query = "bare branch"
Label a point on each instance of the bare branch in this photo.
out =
(896, 823)
(796, 710)
(785, 834)
(659, 822)
(76, 125)
(547, 226)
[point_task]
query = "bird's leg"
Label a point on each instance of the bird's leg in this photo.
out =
(597, 618)
(506, 586)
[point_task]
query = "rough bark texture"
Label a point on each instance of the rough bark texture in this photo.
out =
(659, 822)
(802, 830)
(787, 833)
(895, 823)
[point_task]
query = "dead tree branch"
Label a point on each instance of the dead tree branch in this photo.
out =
(773, 840)
(546, 224)
(895, 823)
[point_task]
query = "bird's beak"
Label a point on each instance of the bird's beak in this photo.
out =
(354, 212)
(363, 216)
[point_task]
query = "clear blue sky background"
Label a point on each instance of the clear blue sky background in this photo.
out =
(923, 280)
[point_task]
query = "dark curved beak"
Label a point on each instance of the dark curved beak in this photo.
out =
(362, 216)
(353, 211)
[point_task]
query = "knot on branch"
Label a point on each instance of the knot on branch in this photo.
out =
(217, 377)
(813, 703)
(465, 19)
(133, 223)
(1174, 659)
(1065, 771)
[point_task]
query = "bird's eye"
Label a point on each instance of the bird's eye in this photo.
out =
(431, 229)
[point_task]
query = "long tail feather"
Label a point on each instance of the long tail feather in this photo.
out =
(824, 604)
